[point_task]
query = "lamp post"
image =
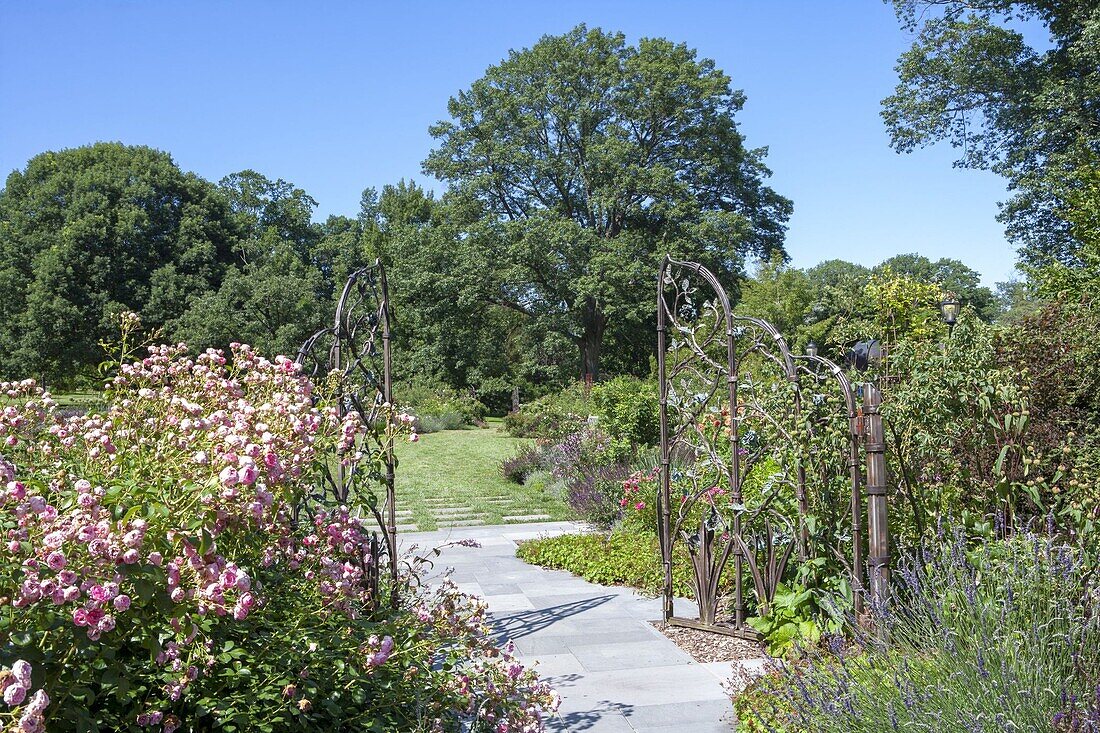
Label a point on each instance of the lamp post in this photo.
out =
(862, 356)
(949, 310)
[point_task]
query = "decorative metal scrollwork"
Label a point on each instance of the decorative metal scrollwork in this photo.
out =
(749, 450)
(352, 362)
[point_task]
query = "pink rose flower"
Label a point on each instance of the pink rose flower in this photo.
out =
(228, 476)
(22, 671)
(38, 704)
(56, 560)
(247, 474)
(14, 694)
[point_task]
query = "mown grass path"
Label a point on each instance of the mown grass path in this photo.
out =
(452, 478)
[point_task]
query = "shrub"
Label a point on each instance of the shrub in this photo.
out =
(552, 416)
(542, 480)
(439, 407)
(1002, 637)
(528, 458)
(154, 574)
(443, 421)
(628, 410)
(621, 558)
(625, 407)
(594, 492)
(760, 707)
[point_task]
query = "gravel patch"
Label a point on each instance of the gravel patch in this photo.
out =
(705, 646)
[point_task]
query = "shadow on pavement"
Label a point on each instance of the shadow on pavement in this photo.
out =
(524, 623)
(586, 720)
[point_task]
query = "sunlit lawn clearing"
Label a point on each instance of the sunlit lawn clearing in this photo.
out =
(460, 470)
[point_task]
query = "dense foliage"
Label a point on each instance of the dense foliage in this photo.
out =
(438, 407)
(976, 78)
(90, 232)
(619, 558)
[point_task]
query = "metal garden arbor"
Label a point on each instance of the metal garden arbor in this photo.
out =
(757, 444)
(353, 360)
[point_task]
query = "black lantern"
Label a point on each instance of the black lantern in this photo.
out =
(865, 354)
(811, 350)
(949, 309)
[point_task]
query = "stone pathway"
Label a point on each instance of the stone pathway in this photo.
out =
(594, 644)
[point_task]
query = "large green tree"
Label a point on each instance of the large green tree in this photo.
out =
(1030, 114)
(590, 158)
(88, 232)
(447, 327)
(279, 289)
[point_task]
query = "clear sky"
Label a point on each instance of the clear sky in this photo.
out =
(338, 96)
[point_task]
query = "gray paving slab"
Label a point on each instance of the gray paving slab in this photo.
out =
(691, 716)
(594, 644)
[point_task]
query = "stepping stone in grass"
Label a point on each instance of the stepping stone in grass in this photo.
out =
(461, 523)
(407, 528)
(526, 518)
(451, 511)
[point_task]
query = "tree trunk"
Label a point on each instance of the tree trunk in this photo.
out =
(591, 340)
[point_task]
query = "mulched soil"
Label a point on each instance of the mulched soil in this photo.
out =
(704, 646)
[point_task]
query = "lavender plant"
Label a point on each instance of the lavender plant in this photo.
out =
(1002, 637)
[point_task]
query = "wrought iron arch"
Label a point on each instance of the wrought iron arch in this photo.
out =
(353, 361)
(732, 402)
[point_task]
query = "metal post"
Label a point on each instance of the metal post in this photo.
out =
(857, 500)
(335, 359)
(735, 480)
(387, 398)
(877, 530)
(664, 499)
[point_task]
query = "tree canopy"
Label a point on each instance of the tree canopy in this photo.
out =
(89, 232)
(1030, 114)
(587, 156)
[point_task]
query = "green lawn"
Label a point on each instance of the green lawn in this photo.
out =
(460, 470)
(81, 400)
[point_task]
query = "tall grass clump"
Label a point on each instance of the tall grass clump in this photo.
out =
(1001, 637)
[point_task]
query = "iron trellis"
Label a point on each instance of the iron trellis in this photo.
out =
(731, 391)
(353, 358)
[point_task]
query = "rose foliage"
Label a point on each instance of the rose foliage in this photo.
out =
(161, 570)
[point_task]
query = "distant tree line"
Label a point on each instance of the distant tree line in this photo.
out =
(89, 232)
(572, 167)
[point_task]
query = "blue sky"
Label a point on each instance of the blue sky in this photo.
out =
(338, 96)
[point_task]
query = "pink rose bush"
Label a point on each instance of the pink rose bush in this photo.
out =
(15, 686)
(163, 566)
